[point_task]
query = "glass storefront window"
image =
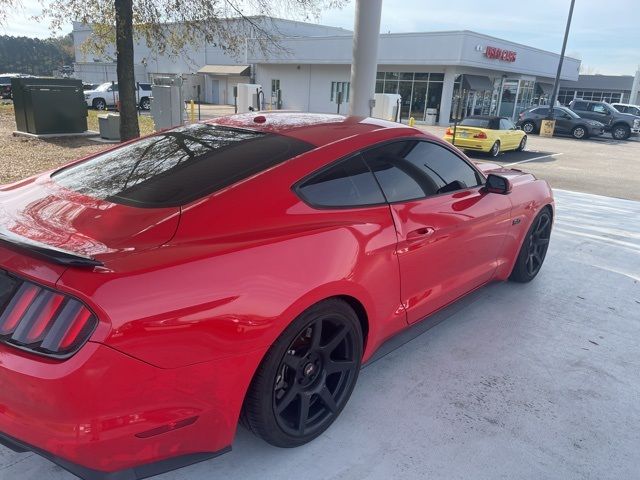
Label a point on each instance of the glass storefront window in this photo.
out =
(406, 76)
(438, 77)
(421, 76)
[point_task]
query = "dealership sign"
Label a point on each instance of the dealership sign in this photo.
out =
(495, 53)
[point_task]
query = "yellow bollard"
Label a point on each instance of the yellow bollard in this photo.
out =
(193, 111)
(412, 121)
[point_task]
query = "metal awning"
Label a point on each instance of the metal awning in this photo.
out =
(225, 69)
(477, 83)
(544, 88)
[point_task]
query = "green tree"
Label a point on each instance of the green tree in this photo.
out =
(170, 25)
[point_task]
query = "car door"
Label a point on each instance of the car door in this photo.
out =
(449, 230)
(508, 134)
(563, 121)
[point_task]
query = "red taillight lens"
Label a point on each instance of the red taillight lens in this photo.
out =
(41, 320)
(480, 135)
(449, 131)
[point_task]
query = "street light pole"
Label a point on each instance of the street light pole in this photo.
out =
(556, 85)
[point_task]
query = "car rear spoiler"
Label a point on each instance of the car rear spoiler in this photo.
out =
(54, 254)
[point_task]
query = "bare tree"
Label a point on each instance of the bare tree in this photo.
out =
(7, 7)
(168, 26)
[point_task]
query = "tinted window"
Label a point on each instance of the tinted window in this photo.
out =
(541, 111)
(580, 106)
(178, 166)
(399, 179)
(145, 86)
(349, 183)
(409, 170)
(475, 122)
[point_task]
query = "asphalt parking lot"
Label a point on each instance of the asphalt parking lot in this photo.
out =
(536, 381)
(599, 165)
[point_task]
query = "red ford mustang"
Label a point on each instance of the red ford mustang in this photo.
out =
(153, 295)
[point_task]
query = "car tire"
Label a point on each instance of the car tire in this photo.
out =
(529, 127)
(523, 144)
(579, 132)
(99, 104)
(621, 131)
(145, 103)
(534, 248)
(495, 149)
(306, 377)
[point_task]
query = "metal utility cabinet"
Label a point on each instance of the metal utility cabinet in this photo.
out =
(167, 107)
(49, 105)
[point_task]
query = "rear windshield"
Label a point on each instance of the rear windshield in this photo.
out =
(476, 122)
(178, 166)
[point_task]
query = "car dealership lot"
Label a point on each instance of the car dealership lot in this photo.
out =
(599, 165)
(521, 381)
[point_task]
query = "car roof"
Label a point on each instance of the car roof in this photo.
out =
(485, 117)
(314, 128)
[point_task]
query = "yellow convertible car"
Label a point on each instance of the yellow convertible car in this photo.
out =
(484, 133)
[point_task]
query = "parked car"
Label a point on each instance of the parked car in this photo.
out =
(620, 125)
(5, 83)
(246, 267)
(567, 122)
(627, 108)
(106, 95)
(90, 86)
(489, 134)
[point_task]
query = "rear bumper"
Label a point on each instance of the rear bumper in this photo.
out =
(470, 144)
(104, 415)
(139, 472)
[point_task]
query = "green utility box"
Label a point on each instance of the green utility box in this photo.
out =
(49, 105)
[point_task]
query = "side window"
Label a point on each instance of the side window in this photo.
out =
(349, 183)
(541, 111)
(415, 169)
(598, 108)
(505, 124)
(580, 106)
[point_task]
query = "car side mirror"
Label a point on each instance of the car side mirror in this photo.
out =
(497, 184)
(518, 127)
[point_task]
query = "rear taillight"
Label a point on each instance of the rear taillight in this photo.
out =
(41, 320)
(480, 135)
(449, 131)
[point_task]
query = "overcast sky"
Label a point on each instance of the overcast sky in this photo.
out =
(604, 35)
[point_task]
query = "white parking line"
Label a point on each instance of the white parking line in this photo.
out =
(532, 159)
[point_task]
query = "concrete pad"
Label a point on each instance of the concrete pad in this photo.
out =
(45, 136)
(536, 381)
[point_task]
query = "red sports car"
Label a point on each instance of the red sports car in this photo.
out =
(154, 295)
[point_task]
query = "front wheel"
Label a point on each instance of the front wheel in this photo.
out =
(145, 103)
(523, 144)
(579, 132)
(495, 149)
(99, 104)
(528, 127)
(534, 249)
(621, 132)
(306, 377)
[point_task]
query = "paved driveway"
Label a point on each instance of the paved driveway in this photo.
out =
(537, 381)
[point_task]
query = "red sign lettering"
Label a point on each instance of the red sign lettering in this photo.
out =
(499, 54)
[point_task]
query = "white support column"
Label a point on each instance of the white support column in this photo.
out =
(634, 99)
(447, 96)
(366, 34)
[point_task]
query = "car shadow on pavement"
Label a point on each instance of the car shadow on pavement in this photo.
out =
(515, 157)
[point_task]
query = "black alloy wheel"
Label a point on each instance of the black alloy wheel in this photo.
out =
(534, 248)
(307, 376)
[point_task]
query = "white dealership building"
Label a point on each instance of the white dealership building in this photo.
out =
(430, 70)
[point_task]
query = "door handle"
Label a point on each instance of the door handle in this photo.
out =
(421, 233)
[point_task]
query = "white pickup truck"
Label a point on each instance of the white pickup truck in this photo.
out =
(106, 95)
